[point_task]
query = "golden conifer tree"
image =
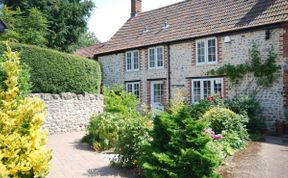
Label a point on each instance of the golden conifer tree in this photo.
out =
(23, 151)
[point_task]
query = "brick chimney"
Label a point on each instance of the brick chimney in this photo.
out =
(136, 7)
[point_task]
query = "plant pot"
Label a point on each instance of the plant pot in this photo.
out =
(280, 127)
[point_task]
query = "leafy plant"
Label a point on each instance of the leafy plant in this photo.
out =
(266, 72)
(178, 102)
(23, 150)
(65, 21)
(29, 27)
(179, 148)
(121, 112)
(233, 125)
(55, 72)
(246, 105)
(132, 137)
(104, 130)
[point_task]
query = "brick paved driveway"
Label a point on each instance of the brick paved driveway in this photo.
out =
(74, 159)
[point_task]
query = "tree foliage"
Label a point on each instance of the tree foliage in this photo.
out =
(28, 27)
(67, 19)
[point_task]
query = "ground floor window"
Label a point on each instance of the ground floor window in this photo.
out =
(202, 88)
(133, 87)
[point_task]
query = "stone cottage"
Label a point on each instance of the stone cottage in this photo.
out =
(157, 52)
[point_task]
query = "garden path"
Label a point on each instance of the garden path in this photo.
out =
(267, 159)
(72, 159)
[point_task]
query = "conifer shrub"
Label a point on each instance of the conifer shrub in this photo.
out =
(179, 148)
(23, 151)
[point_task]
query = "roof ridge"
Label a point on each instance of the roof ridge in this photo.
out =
(166, 6)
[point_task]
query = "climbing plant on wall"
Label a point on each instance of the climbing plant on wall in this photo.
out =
(265, 71)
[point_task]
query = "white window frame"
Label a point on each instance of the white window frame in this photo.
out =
(206, 51)
(156, 106)
(202, 87)
(132, 61)
(156, 58)
(133, 88)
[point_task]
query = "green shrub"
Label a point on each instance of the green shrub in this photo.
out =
(118, 101)
(132, 137)
(234, 125)
(246, 105)
(179, 148)
(103, 130)
(121, 112)
(56, 72)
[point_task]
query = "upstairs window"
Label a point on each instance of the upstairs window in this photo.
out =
(156, 57)
(134, 88)
(132, 60)
(206, 51)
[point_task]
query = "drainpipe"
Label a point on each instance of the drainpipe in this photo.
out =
(169, 71)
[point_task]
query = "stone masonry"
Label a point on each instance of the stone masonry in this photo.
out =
(183, 68)
(69, 112)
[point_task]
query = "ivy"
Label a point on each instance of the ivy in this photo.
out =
(264, 71)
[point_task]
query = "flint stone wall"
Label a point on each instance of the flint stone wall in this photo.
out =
(69, 112)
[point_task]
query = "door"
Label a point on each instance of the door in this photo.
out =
(157, 93)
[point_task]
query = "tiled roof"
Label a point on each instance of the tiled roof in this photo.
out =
(90, 51)
(195, 18)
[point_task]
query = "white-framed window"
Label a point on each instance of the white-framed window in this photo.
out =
(132, 60)
(133, 87)
(157, 95)
(203, 88)
(206, 51)
(156, 57)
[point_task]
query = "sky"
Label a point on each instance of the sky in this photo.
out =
(109, 15)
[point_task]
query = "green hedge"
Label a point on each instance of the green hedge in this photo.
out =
(56, 72)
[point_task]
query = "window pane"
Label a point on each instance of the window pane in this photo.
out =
(136, 60)
(196, 91)
(201, 51)
(129, 88)
(158, 93)
(207, 88)
(152, 57)
(137, 89)
(217, 87)
(212, 50)
(159, 57)
(129, 61)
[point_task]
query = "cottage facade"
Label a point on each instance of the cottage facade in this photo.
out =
(161, 51)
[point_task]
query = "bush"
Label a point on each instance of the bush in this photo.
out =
(121, 112)
(233, 125)
(249, 106)
(56, 72)
(23, 150)
(131, 140)
(118, 101)
(179, 148)
(103, 130)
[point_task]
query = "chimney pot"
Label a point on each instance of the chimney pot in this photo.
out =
(136, 7)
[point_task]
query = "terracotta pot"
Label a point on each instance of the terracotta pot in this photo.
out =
(280, 127)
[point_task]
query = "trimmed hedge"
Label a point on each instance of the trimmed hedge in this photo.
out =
(57, 72)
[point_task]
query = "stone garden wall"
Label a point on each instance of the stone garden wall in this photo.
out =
(69, 112)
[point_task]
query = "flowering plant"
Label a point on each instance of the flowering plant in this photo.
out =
(212, 134)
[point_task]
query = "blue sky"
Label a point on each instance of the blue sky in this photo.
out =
(110, 15)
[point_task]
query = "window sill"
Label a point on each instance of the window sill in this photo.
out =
(132, 70)
(155, 68)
